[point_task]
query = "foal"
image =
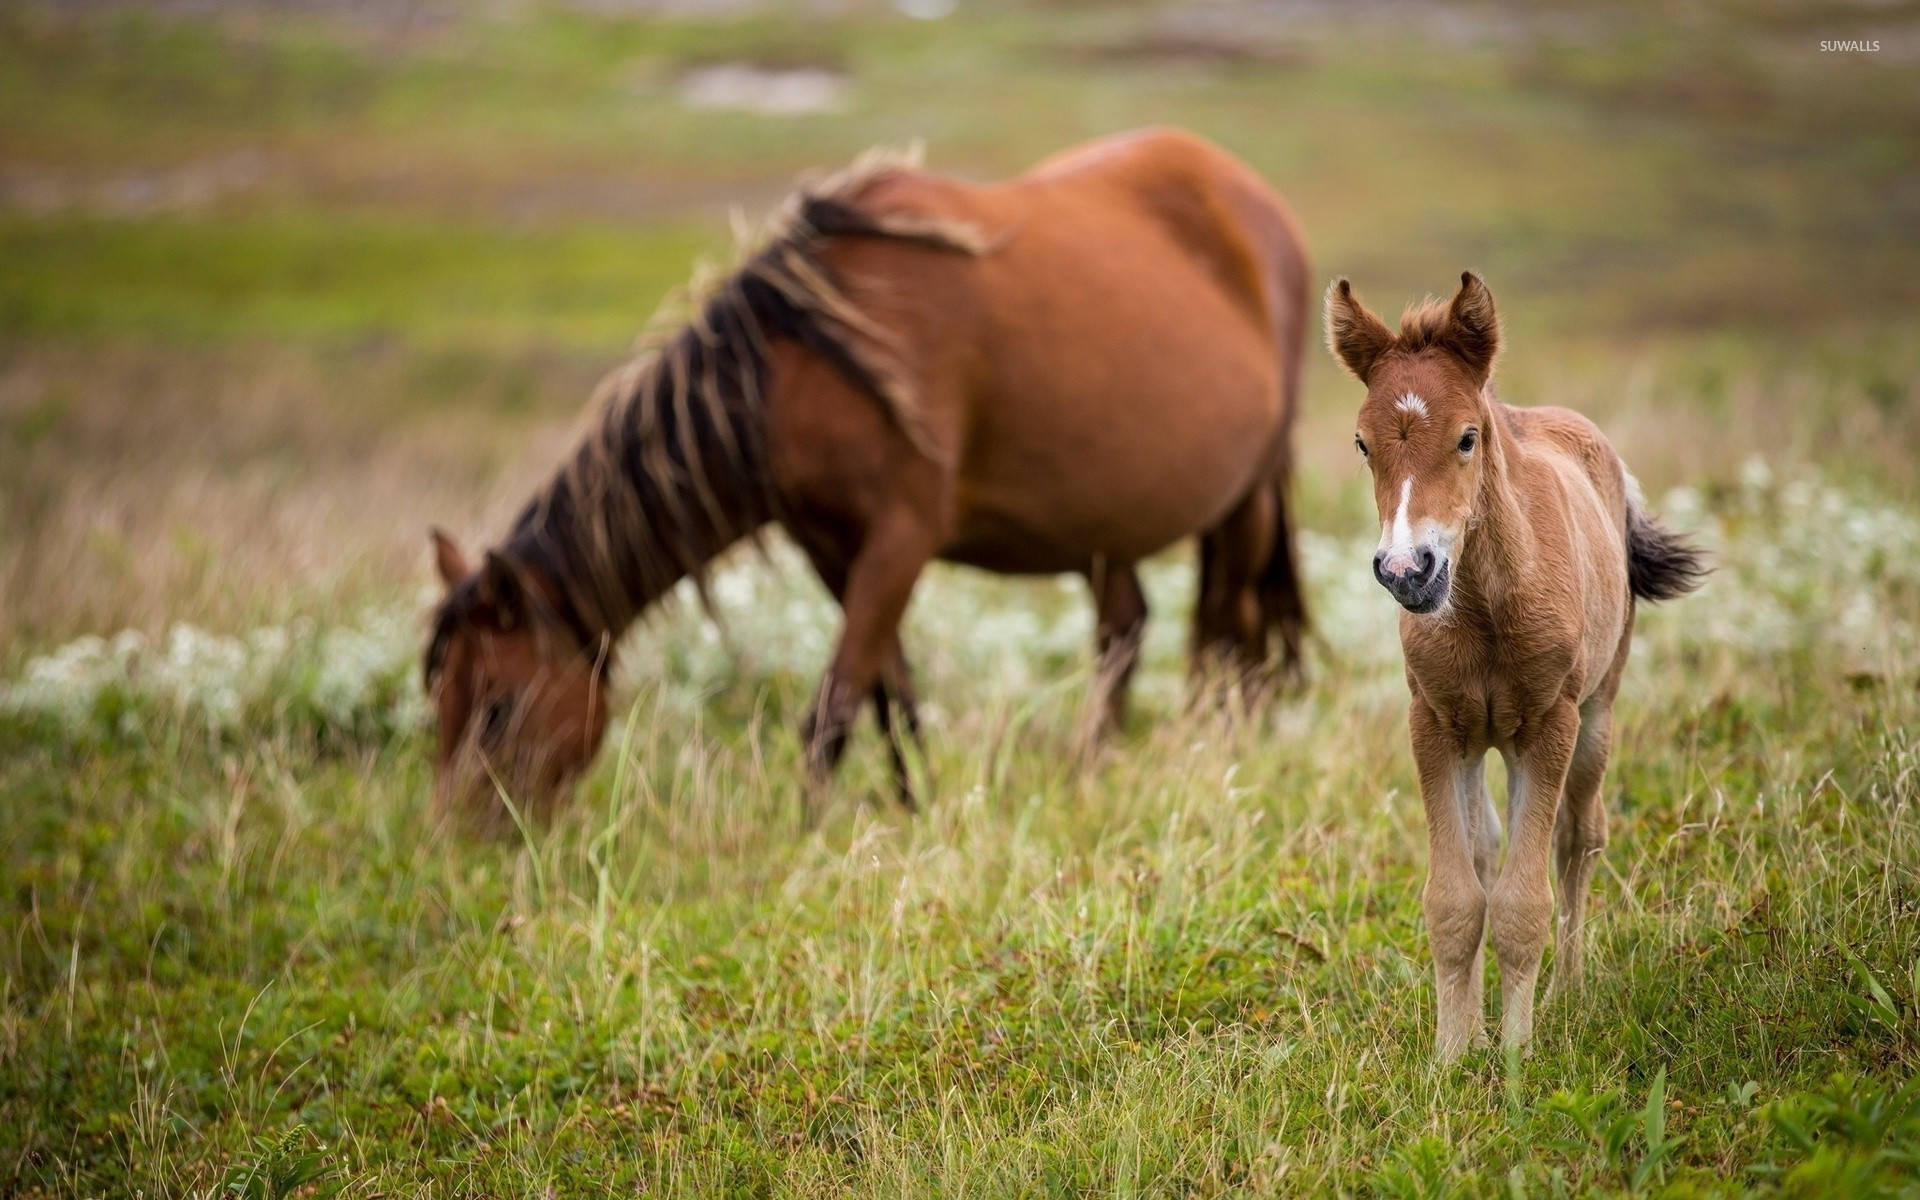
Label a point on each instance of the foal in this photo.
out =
(1516, 541)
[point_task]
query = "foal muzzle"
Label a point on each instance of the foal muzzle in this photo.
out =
(1419, 585)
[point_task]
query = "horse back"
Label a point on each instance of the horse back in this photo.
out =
(1116, 370)
(1214, 211)
(1222, 214)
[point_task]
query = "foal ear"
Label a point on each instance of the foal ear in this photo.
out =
(1473, 327)
(501, 592)
(1356, 337)
(449, 558)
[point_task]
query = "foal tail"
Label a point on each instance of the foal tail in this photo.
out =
(1661, 564)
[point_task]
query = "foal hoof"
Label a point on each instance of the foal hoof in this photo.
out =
(1448, 1052)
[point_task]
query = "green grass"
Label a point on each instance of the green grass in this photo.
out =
(1196, 969)
(304, 279)
(240, 962)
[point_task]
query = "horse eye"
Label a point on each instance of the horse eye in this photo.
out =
(1468, 440)
(1360, 445)
(493, 722)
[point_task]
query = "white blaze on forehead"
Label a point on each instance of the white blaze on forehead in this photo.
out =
(1396, 537)
(1411, 403)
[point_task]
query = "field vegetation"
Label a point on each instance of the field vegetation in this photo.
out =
(284, 285)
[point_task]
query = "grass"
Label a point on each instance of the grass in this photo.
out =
(299, 278)
(281, 291)
(1196, 967)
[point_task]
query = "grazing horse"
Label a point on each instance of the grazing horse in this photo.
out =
(1517, 542)
(1064, 372)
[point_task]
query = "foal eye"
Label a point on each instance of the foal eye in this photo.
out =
(1360, 445)
(1468, 440)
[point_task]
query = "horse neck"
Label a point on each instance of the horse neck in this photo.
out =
(1499, 542)
(671, 474)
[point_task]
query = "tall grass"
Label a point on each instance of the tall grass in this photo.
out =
(1195, 966)
(286, 289)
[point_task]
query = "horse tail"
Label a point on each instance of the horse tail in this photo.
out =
(1283, 601)
(1250, 588)
(1250, 581)
(1661, 564)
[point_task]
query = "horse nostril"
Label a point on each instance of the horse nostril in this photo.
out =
(1424, 564)
(1379, 568)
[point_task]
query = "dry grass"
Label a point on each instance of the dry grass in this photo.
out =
(245, 485)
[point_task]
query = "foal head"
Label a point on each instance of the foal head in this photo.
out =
(1421, 428)
(521, 707)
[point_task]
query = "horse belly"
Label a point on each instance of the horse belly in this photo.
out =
(1048, 492)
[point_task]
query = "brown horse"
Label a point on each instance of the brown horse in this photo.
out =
(1516, 541)
(1065, 372)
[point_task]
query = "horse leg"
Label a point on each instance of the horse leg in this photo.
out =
(1579, 838)
(893, 689)
(879, 582)
(1454, 902)
(1229, 614)
(1121, 621)
(1520, 903)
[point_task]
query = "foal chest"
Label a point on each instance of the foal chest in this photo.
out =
(1481, 696)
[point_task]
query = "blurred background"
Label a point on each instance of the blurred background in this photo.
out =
(287, 281)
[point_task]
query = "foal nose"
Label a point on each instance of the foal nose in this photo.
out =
(1405, 577)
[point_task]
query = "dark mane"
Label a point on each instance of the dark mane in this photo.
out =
(672, 468)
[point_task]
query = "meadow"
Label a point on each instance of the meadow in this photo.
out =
(283, 286)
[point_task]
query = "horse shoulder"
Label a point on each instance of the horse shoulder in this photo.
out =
(924, 303)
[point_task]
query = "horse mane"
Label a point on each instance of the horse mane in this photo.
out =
(672, 468)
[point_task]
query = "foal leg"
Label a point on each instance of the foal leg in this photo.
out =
(879, 582)
(1520, 903)
(1454, 901)
(1483, 822)
(1579, 839)
(1121, 621)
